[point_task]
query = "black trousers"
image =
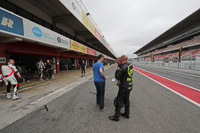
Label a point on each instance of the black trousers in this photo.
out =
(123, 95)
(8, 87)
(83, 71)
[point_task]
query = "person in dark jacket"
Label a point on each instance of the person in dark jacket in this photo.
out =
(83, 68)
(48, 70)
(124, 74)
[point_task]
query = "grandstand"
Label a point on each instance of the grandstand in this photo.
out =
(177, 47)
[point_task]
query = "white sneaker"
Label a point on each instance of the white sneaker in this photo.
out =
(101, 110)
(8, 96)
(15, 97)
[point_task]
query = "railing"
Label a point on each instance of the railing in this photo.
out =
(189, 65)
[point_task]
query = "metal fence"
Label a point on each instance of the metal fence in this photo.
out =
(189, 65)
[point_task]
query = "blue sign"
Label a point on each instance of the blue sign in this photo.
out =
(37, 32)
(11, 23)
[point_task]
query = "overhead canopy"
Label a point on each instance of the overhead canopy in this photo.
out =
(60, 15)
(189, 23)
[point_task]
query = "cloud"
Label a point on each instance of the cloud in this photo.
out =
(130, 24)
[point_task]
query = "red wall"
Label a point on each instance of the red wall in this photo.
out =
(37, 49)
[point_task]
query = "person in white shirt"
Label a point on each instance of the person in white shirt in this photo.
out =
(9, 72)
(40, 66)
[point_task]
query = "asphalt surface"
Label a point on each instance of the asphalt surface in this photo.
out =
(154, 109)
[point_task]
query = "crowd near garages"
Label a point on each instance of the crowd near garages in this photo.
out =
(178, 47)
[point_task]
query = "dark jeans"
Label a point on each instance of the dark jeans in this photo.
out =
(100, 86)
(122, 96)
(83, 71)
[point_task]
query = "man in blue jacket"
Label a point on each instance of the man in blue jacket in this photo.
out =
(99, 81)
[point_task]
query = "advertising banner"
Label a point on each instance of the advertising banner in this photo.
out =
(97, 35)
(90, 51)
(74, 45)
(103, 41)
(77, 46)
(97, 53)
(88, 23)
(62, 41)
(38, 33)
(11, 23)
(73, 7)
(83, 48)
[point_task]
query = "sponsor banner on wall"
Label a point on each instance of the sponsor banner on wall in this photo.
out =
(90, 51)
(97, 53)
(73, 7)
(83, 48)
(107, 46)
(38, 33)
(77, 46)
(74, 45)
(97, 35)
(103, 41)
(88, 23)
(62, 41)
(11, 23)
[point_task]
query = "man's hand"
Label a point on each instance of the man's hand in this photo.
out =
(102, 73)
(118, 83)
(20, 77)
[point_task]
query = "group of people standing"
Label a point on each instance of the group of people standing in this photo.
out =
(123, 75)
(9, 71)
(45, 70)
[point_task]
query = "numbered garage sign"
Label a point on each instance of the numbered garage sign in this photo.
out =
(2, 60)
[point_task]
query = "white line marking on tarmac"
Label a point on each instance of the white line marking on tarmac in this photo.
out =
(63, 89)
(198, 105)
(173, 71)
(27, 88)
(162, 69)
(173, 80)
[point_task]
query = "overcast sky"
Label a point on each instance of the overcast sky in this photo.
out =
(130, 24)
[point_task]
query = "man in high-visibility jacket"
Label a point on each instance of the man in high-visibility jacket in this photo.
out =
(124, 74)
(9, 72)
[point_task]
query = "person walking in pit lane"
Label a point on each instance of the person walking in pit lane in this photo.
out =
(48, 71)
(40, 67)
(83, 68)
(8, 72)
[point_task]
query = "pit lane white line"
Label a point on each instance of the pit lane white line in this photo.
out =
(63, 89)
(174, 71)
(184, 97)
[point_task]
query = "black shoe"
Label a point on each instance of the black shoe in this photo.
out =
(113, 118)
(125, 115)
(82, 76)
